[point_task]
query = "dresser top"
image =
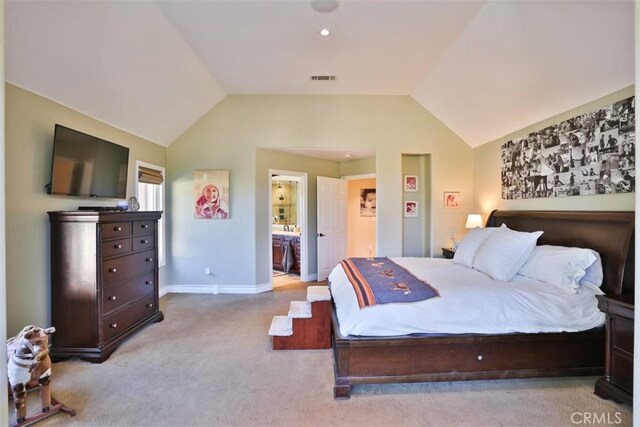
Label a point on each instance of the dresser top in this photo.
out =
(102, 216)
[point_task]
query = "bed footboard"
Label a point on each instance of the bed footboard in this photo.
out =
(447, 357)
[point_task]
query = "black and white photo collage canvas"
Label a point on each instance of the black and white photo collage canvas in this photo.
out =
(589, 154)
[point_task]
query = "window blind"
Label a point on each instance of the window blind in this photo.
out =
(149, 176)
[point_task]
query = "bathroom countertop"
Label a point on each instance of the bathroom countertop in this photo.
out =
(285, 233)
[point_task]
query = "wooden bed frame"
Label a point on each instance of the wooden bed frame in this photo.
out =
(455, 357)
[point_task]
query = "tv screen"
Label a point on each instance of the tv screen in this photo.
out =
(84, 165)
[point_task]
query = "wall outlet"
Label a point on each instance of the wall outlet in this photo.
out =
(207, 271)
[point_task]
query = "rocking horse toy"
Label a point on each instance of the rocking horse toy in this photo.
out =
(28, 367)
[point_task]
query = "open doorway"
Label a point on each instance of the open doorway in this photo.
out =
(361, 215)
(288, 227)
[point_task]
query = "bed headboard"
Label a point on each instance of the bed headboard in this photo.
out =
(611, 234)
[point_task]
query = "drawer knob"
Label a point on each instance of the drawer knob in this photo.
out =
(149, 259)
(145, 225)
(113, 325)
(112, 270)
(480, 357)
(148, 282)
(150, 305)
(117, 246)
(117, 228)
(113, 298)
(144, 242)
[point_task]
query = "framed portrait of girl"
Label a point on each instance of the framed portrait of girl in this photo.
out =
(211, 194)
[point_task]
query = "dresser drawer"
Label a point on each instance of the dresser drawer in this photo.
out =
(141, 243)
(116, 247)
(117, 269)
(143, 227)
(116, 296)
(622, 371)
(116, 229)
(623, 334)
(120, 321)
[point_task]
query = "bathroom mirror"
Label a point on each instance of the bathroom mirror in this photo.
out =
(284, 202)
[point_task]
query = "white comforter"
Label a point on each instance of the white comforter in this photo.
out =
(469, 302)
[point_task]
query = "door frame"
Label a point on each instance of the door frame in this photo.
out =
(303, 211)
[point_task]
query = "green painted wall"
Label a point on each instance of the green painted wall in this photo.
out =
(269, 159)
(4, 407)
(30, 121)
(487, 164)
(229, 136)
(358, 167)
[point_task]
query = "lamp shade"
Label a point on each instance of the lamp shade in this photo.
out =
(474, 221)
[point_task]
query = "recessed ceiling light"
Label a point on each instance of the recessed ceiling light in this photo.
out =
(347, 156)
(324, 32)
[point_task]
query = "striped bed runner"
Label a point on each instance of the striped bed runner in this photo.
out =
(382, 281)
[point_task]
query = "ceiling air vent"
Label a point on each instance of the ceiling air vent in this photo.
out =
(325, 78)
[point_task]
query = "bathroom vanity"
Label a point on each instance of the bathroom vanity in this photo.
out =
(280, 240)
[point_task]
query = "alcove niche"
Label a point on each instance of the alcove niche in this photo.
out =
(416, 231)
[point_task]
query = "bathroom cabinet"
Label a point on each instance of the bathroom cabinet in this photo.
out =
(279, 242)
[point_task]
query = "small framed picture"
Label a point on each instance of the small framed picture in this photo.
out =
(410, 208)
(451, 199)
(410, 183)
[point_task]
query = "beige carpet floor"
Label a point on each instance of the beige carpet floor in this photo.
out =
(210, 363)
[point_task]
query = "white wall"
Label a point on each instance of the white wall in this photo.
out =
(228, 136)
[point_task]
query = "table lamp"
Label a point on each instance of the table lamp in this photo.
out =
(474, 221)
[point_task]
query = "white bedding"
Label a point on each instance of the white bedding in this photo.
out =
(469, 302)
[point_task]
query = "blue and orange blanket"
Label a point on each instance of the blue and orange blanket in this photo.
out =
(381, 281)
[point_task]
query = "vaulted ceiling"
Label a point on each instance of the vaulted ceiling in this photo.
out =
(485, 68)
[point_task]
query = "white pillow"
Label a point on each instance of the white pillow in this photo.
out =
(504, 253)
(468, 247)
(559, 265)
(593, 276)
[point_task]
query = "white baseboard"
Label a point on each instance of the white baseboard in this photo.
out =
(265, 287)
(239, 289)
(189, 289)
(214, 289)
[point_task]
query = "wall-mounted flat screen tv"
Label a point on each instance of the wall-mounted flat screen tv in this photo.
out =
(84, 165)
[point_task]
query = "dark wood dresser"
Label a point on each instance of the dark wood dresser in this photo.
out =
(104, 280)
(617, 383)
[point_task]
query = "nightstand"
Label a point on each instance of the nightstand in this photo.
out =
(448, 253)
(617, 383)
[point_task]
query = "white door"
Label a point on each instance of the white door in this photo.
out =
(332, 224)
